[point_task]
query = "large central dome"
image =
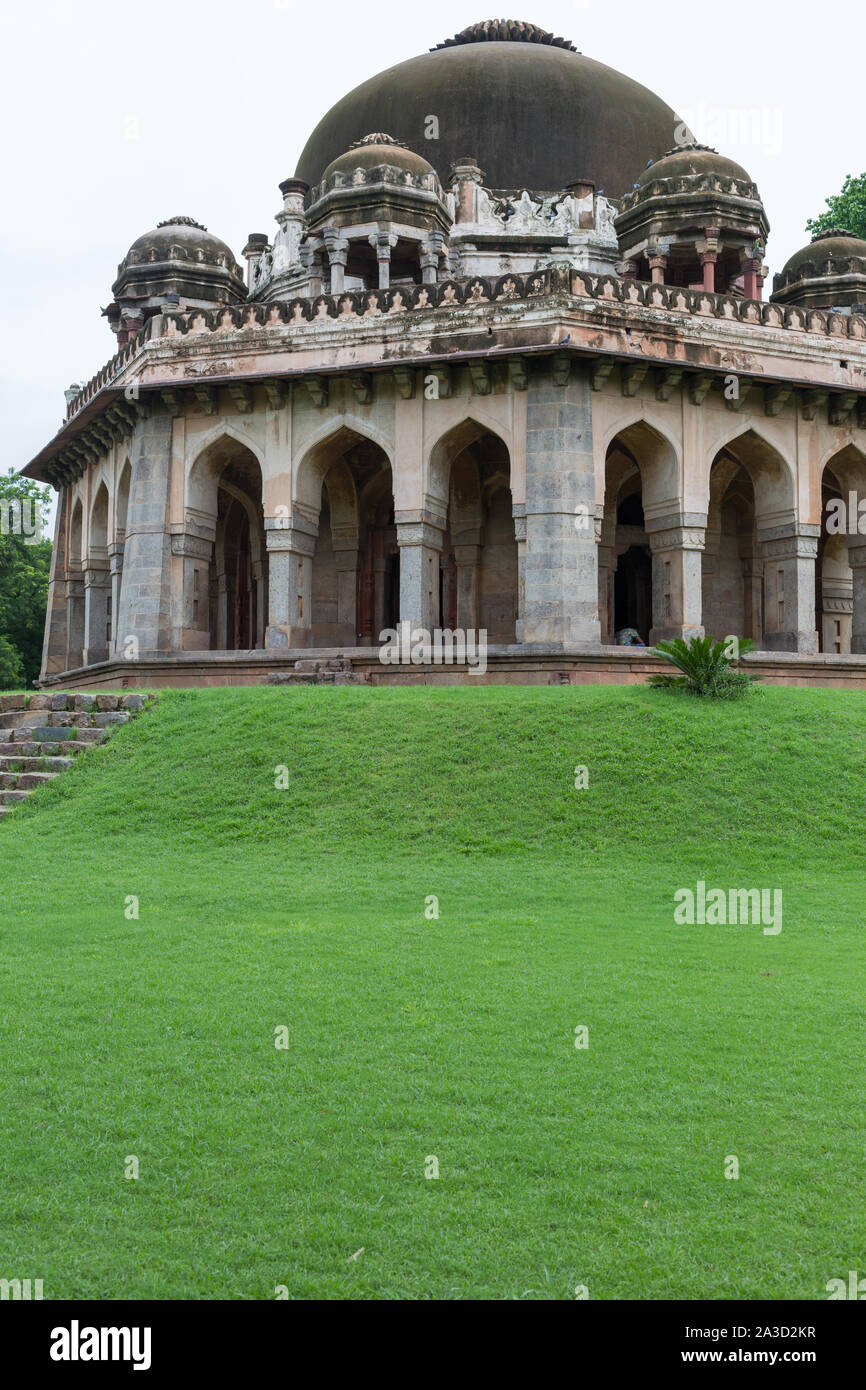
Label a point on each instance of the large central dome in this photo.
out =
(532, 111)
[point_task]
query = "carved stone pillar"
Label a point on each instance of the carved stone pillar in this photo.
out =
(431, 254)
(676, 544)
(751, 266)
(658, 264)
(145, 608)
(789, 588)
(467, 555)
(382, 241)
(115, 566)
(419, 536)
(97, 595)
(467, 177)
(708, 268)
(290, 575)
(560, 568)
(346, 562)
(338, 255)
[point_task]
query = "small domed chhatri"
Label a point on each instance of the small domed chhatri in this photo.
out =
(502, 367)
(694, 218)
(829, 272)
(181, 258)
(374, 151)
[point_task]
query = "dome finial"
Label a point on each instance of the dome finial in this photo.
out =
(505, 31)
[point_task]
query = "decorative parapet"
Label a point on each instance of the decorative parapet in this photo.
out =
(703, 304)
(354, 306)
(382, 173)
(108, 373)
(691, 183)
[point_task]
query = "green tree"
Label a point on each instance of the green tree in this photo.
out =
(25, 557)
(846, 209)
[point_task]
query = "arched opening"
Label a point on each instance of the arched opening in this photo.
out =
(478, 565)
(732, 568)
(97, 582)
(345, 496)
(840, 578)
(625, 562)
(225, 596)
(752, 564)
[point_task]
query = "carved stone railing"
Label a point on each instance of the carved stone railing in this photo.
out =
(356, 306)
(690, 183)
(703, 304)
(107, 373)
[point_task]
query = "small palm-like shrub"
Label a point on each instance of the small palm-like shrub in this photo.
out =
(706, 668)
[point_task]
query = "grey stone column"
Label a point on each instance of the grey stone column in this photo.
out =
(676, 544)
(115, 565)
(191, 617)
(346, 563)
(518, 512)
(75, 608)
(144, 614)
(789, 554)
(97, 591)
(290, 576)
(55, 645)
(468, 559)
(857, 561)
(560, 583)
(419, 536)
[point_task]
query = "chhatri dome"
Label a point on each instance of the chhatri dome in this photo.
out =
(526, 105)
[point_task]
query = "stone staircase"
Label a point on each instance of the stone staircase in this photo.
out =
(42, 735)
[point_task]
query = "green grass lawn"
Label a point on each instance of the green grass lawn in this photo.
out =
(411, 1037)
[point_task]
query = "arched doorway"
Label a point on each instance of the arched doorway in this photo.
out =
(478, 563)
(345, 498)
(225, 596)
(625, 562)
(756, 555)
(840, 574)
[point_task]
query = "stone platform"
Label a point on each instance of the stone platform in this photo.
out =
(517, 665)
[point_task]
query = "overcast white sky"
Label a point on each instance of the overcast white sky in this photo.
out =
(117, 116)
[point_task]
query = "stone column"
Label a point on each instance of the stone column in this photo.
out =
(97, 592)
(431, 253)
(708, 249)
(346, 562)
(419, 536)
(751, 266)
(676, 543)
(789, 554)
(606, 529)
(467, 176)
(55, 645)
(115, 565)
(467, 555)
(658, 264)
(75, 607)
(559, 604)
(857, 561)
(338, 255)
(144, 612)
(290, 575)
(382, 241)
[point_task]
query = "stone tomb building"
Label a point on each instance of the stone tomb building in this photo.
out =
(505, 363)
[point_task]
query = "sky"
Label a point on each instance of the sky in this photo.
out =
(117, 116)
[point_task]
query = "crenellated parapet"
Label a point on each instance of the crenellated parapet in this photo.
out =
(703, 304)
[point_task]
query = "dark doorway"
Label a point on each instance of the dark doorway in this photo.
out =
(632, 591)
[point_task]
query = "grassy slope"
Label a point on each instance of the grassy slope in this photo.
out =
(453, 1038)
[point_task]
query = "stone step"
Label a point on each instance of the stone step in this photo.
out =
(81, 700)
(16, 764)
(41, 736)
(30, 748)
(28, 781)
